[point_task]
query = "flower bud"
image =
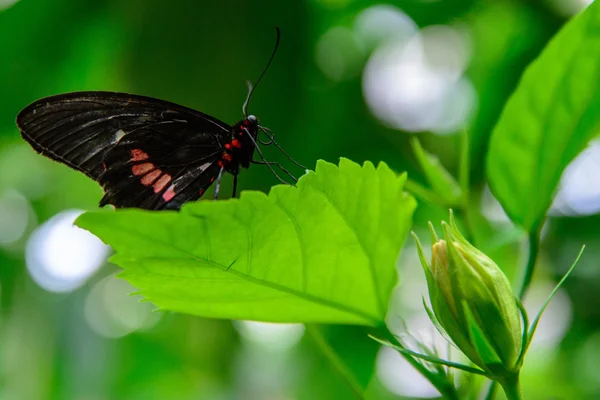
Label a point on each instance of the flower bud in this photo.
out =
(473, 302)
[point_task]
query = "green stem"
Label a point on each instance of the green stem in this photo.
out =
(446, 389)
(464, 214)
(534, 249)
(491, 391)
(422, 192)
(464, 168)
(511, 388)
(338, 364)
(464, 180)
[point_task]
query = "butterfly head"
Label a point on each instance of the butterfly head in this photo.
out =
(243, 141)
(252, 124)
(250, 127)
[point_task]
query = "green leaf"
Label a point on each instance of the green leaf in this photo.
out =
(549, 119)
(430, 358)
(324, 251)
(441, 181)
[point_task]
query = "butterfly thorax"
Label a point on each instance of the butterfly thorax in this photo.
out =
(240, 147)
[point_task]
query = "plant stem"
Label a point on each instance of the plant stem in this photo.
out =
(337, 363)
(491, 392)
(422, 192)
(464, 180)
(446, 388)
(464, 214)
(511, 388)
(464, 167)
(534, 249)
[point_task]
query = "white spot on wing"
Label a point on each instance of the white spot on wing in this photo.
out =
(119, 135)
(189, 176)
(204, 166)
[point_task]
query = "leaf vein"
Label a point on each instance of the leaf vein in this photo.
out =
(303, 266)
(362, 246)
(374, 320)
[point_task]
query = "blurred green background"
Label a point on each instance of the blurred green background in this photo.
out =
(352, 78)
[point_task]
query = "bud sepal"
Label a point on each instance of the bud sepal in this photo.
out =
(473, 307)
(473, 302)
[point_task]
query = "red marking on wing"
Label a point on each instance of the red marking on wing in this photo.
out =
(228, 146)
(169, 193)
(141, 169)
(236, 143)
(202, 191)
(227, 157)
(160, 184)
(150, 177)
(138, 155)
(221, 164)
(246, 122)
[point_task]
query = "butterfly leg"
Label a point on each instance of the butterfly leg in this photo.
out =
(218, 184)
(234, 185)
(276, 164)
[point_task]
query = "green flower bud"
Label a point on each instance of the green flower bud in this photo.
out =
(473, 302)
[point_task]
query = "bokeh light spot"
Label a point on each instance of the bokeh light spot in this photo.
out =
(15, 215)
(23, 170)
(112, 312)
(412, 87)
(5, 4)
(338, 55)
(555, 321)
(271, 335)
(60, 256)
(492, 209)
(383, 22)
(400, 378)
(588, 373)
(579, 188)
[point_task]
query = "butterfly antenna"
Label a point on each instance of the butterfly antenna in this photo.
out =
(271, 137)
(250, 87)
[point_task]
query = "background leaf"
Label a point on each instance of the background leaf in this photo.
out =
(549, 119)
(440, 180)
(324, 251)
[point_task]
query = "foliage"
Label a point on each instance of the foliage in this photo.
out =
(549, 119)
(323, 251)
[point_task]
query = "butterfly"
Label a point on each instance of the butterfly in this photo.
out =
(145, 152)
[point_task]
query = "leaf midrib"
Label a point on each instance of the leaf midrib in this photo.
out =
(543, 144)
(305, 296)
(372, 320)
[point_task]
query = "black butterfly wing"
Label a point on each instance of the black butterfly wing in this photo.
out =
(161, 166)
(96, 132)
